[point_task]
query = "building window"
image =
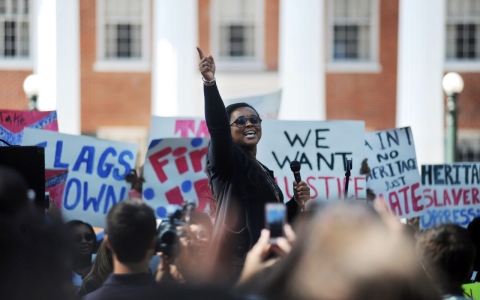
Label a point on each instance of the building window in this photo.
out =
(14, 27)
(238, 32)
(463, 30)
(123, 34)
(353, 32)
(468, 146)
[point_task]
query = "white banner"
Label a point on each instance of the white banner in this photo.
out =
(267, 105)
(393, 171)
(96, 171)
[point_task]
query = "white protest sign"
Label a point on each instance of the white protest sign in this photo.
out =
(321, 148)
(174, 171)
(451, 193)
(267, 105)
(96, 171)
(393, 171)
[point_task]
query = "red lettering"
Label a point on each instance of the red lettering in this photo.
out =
(435, 200)
(446, 198)
(184, 126)
(395, 204)
(203, 193)
(426, 195)
(405, 198)
(358, 188)
(327, 189)
(339, 186)
(465, 197)
(457, 197)
(174, 196)
(285, 179)
(202, 129)
(415, 198)
(196, 159)
(312, 187)
(181, 162)
(158, 165)
(475, 193)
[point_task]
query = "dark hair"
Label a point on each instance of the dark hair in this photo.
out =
(74, 223)
(102, 267)
(474, 233)
(447, 253)
(251, 165)
(131, 229)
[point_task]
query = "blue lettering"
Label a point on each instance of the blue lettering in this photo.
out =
(87, 201)
(105, 172)
(86, 156)
(124, 163)
(77, 198)
(455, 213)
(111, 195)
(58, 155)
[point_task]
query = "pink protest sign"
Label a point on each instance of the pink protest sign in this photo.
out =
(55, 180)
(12, 123)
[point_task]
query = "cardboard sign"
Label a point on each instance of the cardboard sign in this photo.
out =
(322, 149)
(472, 290)
(393, 171)
(451, 193)
(174, 172)
(55, 181)
(97, 169)
(266, 105)
(12, 123)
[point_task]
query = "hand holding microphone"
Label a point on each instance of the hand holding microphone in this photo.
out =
(300, 188)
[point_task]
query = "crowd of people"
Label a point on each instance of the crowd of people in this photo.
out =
(339, 250)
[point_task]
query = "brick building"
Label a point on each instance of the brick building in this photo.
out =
(107, 65)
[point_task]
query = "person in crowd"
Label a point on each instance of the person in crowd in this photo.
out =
(13, 191)
(83, 244)
(240, 184)
(102, 267)
(34, 260)
(130, 234)
(348, 252)
(447, 254)
(474, 233)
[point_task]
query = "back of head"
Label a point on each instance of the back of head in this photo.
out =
(447, 253)
(347, 252)
(474, 233)
(13, 191)
(131, 229)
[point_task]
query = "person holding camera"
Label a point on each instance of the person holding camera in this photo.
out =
(240, 184)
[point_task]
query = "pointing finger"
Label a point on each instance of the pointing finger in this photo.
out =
(200, 53)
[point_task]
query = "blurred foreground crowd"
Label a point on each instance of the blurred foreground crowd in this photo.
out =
(340, 250)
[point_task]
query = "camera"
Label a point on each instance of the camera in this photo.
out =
(172, 228)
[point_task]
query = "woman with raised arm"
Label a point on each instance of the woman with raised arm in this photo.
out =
(240, 184)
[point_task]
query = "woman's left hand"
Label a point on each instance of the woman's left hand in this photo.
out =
(301, 191)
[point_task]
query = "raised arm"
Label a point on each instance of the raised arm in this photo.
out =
(221, 144)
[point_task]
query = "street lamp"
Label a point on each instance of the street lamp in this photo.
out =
(452, 85)
(31, 85)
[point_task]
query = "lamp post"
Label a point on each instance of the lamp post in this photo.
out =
(452, 85)
(31, 87)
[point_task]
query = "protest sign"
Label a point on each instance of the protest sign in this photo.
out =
(266, 105)
(320, 147)
(451, 193)
(174, 172)
(394, 175)
(97, 169)
(55, 180)
(12, 123)
(472, 290)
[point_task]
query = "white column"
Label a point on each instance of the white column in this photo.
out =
(58, 60)
(302, 59)
(420, 101)
(175, 80)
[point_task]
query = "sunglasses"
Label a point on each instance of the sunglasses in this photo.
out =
(242, 121)
(88, 237)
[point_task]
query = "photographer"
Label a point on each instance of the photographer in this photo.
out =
(183, 263)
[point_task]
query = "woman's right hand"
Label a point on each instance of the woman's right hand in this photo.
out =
(206, 66)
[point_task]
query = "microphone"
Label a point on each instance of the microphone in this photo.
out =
(295, 167)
